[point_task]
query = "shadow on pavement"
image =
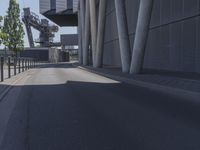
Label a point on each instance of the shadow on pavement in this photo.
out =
(57, 65)
(97, 116)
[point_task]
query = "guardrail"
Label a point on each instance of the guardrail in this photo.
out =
(11, 66)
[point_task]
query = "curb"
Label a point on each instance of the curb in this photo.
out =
(176, 92)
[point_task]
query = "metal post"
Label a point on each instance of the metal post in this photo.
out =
(2, 68)
(100, 33)
(15, 63)
(28, 64)
(25, 64)
(93, 24)
(22, 64)
(87, 35)
(33, 63)
(124, 43)
(19, 65)
(141, 35)
(9, 73)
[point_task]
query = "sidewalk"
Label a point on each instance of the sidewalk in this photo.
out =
(186, 85)
(9, 82)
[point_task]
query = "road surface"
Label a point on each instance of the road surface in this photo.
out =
(59, 107)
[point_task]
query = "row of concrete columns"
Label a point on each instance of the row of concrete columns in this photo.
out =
(92, 27)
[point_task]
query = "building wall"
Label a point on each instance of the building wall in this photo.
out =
(75, 5)
(41, 54)
(63, 5)
(45, 5)
(174, 37)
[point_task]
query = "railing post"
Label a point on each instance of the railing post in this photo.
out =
(2, 69)
(22, 64)
(28, 63)
(25, 63)
(34, 63)
(9, 74)
(19, 65)
(15, 67)
(31, 63)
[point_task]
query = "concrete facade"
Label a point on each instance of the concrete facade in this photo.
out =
(41, 54)
(69, 39)
(173, 41)
(60, 12)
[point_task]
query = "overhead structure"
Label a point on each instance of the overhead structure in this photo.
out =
(61, 12)
(47, 31)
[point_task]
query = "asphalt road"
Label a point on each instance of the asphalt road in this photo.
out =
(59, 107)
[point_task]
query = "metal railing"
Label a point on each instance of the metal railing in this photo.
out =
(11, 66)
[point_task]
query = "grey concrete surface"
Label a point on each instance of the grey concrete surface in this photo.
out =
(124, 41)
(61, 107)
(80, 50)
(100, 33)
(93, 26)
(87, 34)
(141, 36)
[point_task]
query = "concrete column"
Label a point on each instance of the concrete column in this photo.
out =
(124, 43)
(87, 35)
(80, 46)
(141, 35)
(93, 29)
(100, 33)
(82, 21)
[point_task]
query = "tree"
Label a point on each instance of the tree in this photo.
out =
(2, 34)
(0, 30)
(13, 28)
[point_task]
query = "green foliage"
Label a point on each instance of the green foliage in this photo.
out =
(0, 30)
(13, 28)
(3, 36)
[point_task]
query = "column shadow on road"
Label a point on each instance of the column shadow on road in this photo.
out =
(99, 116)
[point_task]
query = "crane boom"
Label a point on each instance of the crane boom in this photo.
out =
(47, 31)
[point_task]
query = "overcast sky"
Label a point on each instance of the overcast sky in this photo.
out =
(34, 5)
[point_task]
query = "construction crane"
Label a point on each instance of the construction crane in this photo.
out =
(47, 31)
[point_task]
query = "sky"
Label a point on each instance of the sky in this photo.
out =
(34, 6)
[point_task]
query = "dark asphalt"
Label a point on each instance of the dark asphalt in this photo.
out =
(64, 108)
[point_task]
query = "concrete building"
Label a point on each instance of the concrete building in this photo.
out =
(59, 11)
(166, 33)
